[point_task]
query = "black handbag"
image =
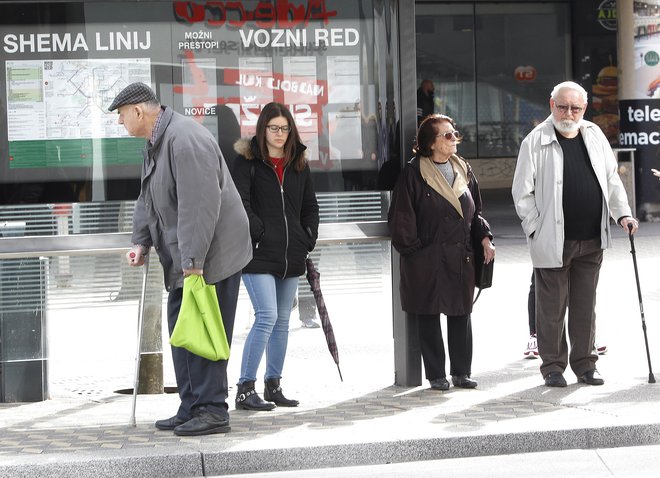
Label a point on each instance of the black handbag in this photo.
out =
(483, 273)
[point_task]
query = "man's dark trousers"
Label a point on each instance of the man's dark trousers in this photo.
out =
(201, 381)
(574, 286)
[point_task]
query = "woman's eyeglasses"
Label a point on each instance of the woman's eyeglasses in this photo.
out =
(564, 109)
(450, 135)
(274, 128)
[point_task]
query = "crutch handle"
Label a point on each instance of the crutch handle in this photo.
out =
(630, 226)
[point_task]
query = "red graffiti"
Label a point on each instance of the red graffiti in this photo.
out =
(283, 14)
(274, 84)
(199, 91)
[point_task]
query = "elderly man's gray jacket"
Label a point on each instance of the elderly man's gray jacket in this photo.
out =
(537, 190)
(188, 208)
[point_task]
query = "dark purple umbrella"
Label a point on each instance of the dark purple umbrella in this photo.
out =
(314, 279)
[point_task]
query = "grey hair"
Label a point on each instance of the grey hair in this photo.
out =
(569, 85)
(151, 105)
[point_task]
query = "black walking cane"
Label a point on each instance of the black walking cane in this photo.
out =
(641, 306)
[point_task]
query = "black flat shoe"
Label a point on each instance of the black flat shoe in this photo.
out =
(463, 381)
(169, 423)
(555, 379)
(204, 422)
(592, 377)
(199, 426)
(439, 384)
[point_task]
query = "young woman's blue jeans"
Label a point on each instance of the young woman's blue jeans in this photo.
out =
(272, 299)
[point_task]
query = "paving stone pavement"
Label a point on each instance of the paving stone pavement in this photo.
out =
(366, 419)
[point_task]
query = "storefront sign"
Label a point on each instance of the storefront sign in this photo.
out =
(606, 14)
(640, 123)
(640, 129)
(640, 115)
(525, 73)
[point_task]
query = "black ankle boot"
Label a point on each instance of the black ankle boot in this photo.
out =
(273, 393)
(248, 399)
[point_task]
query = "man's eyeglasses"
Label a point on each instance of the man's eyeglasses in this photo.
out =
(450, 135)
(564, 109)
(274, 128)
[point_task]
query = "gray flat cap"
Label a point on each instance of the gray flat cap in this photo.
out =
(133, 94)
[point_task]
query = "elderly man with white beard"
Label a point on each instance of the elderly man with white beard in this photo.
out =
(565, 189)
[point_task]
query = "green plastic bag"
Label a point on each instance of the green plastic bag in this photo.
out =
(199, 328)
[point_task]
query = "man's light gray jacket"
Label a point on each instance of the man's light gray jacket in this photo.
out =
(537, 190)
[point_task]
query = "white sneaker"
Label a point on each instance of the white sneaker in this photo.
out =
(600, 349)
(532, 351)
(309, 324)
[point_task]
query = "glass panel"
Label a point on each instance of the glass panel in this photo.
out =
(64, 219)
(217, 62)
(22, 309)
(101, 300)
(514, 79)
(488, 74)
(445, 55)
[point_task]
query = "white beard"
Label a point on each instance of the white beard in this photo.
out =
(566, 126)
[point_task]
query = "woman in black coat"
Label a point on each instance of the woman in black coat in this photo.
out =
(435, 205)
(274, 181)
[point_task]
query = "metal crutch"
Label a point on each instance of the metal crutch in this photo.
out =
(641, 307)
(138, 352)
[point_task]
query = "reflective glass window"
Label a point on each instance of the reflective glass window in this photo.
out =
(445, 55)
(493, 67)
(522, 52)
(217, 62)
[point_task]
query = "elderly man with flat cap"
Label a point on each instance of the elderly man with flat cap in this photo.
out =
(190, 212)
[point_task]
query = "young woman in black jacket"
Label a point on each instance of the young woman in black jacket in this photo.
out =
(273, 178)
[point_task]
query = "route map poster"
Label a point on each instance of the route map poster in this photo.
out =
(57, 111)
